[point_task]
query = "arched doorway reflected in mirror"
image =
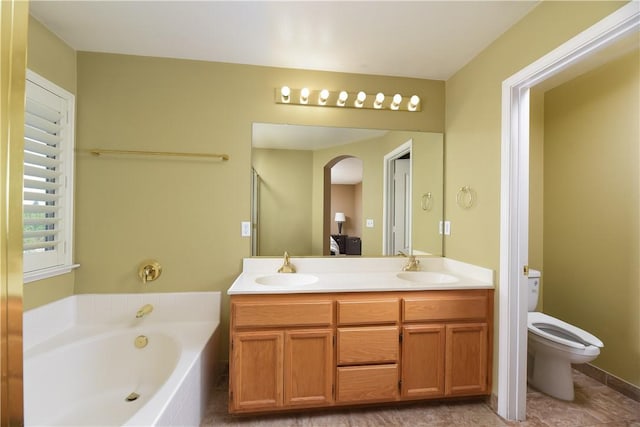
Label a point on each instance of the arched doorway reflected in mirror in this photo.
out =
(342, 206)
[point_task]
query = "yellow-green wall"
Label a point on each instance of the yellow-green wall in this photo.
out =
(536, 182)
(473, 125)
(592, 210)
(284, 215)
(50, 57)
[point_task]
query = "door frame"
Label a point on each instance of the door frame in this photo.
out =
(388, 194)
(514, 199)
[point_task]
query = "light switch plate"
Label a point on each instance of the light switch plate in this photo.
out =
(369, 223)
(447, 228)
(246, 228)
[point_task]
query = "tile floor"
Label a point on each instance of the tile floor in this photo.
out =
(595, 405)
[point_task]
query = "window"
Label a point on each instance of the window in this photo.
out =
(48, 179)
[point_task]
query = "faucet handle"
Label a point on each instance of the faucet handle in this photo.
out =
(149, 270)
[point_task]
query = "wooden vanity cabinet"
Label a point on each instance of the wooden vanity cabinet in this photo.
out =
(281, 353)
(318, 350)
(446, 344)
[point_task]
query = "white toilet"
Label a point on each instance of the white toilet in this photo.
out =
(553, 346)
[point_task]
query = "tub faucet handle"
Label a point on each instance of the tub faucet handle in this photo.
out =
(149, 270)
(144, 310)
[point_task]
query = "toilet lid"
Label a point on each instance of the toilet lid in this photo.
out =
(561, 332)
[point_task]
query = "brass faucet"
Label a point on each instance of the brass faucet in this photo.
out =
(144, 310)
(412, 264)
(287, 267)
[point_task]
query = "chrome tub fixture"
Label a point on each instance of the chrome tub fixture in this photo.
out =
(144, 310)
(287, 267)
(149, 270)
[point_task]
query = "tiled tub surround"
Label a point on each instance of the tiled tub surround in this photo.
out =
(343, 274)
(345, 332)
(80, 361)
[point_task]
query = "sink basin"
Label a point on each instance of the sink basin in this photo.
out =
(287, 279)
(427, 277)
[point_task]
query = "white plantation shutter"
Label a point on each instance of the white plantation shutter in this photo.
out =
(48, 175)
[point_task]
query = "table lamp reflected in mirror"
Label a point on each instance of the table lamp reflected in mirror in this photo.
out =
(340, 219)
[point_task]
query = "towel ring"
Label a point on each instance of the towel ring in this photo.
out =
(427, 202)
(466, 197)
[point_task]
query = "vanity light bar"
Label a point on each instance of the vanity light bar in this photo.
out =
(344, 99)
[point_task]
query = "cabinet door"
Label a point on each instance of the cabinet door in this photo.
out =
(257, 370)
(308, 367)
(466, 359)
(423, 350)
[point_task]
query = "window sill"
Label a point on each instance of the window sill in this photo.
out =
(32, 276)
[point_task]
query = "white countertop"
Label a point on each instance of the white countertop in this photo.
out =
(345, 274)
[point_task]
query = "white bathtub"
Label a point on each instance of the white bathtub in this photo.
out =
(80, 361)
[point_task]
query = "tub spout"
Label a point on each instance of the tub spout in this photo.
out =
(144, 310)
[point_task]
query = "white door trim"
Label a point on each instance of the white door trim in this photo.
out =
(514, 199)
(387, 195)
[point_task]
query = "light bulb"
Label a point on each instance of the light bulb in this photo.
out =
(284, 93)
(395, 103)
(360, 99)
(342, 98)
(304, 95)
(379, 100)
(413, 103)
(324, 95)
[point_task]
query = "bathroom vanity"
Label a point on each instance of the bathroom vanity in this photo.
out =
(346, 337)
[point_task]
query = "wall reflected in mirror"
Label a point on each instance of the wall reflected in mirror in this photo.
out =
(303, 175)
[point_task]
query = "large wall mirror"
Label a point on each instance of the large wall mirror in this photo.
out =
(384, 187)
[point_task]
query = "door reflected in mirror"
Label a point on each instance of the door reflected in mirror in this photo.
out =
(293, 206)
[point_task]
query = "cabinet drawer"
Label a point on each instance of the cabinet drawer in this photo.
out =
(367, 312)
(310, 313)
(373, 344)
(449, 307)
(367, 383)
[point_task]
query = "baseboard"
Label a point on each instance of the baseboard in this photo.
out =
(616, 383)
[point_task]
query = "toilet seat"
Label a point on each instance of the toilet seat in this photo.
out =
(556, 330)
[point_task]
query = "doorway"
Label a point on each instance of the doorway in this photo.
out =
(396, 233)
(342, 206)
(514, 221)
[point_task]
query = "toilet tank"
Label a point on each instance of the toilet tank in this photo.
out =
(534, 289)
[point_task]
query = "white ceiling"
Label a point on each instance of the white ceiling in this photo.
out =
(423, 39)
(347, 171)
